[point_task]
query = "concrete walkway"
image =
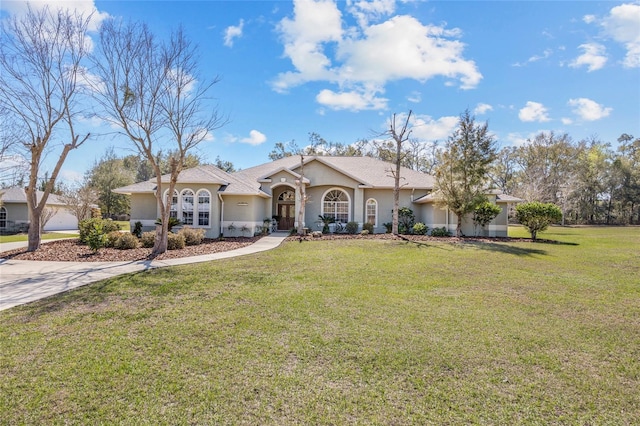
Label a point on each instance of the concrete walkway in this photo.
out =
(23, 281)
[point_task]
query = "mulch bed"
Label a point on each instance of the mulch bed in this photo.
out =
(72, 251)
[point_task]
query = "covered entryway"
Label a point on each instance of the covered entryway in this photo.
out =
(287, 216)
(286, 210)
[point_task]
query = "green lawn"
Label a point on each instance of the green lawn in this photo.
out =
(25, 237)
(343, 332)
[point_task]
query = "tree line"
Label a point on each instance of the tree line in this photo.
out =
(592, 181)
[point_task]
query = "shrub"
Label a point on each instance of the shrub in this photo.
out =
(112, 237)
(440, 232)
(364, 232)
(352, 227)
(326, 220)
(137, 229)
(537, 217)
(96, 237)
(148, 239)
(172, 222)
(406, 220)
(175, 242)
(484, 213)
(368, 227)
(420, 229)
(192, 237)
(126, 242)
(88, 225)
(388, 227)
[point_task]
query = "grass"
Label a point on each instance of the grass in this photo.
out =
(25, 237)
(343, 332)
(125, 225)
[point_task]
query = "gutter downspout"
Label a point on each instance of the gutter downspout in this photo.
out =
(221, 214)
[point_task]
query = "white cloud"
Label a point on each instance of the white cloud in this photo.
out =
(534, 111)
(593, 57)
(425, 127)
(84, 7)
(70, 176)
(535, 58)
(233, 32)
(482, 108)
(588, 19)
(589, 110)
(255, 138)
(365, 11)
(566, 121)
(361, 61)
(415, 97)
(353, 100)
(622, 25)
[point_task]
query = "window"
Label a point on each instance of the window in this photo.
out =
(336, 204)
(287, 196)
(192, 209)
(204, 208)
(187, 207)
(372, 212)
(174, 205)
(3, 217)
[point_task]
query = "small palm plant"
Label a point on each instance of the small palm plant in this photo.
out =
(326, 220)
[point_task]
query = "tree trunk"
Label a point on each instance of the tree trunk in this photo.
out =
(34, 231)
(162, 231)
(459, 226)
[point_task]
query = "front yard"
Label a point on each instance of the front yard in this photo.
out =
(343, 332)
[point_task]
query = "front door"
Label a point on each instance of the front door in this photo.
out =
(287, 213)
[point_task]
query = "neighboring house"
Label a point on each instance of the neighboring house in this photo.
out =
(14, 213)
(358, 189)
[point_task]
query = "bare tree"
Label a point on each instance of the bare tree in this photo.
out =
(151, 91)
(79, 200)
(400, 133)
(303, 198)
(40, 64)
(45, 217)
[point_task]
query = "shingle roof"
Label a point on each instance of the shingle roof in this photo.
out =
(365, 170)
(17, 194)
(504, 198)
(207, 174)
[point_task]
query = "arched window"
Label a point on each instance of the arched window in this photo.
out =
(204, 207)
(372, 212)
(187, 207)
(173, 211)
(3, 217)
(287, 196)
(336, 204)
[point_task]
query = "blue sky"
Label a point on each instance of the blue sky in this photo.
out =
(341, 69)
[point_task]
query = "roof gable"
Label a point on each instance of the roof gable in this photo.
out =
(17, 194)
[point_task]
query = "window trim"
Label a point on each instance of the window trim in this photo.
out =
(3, 217)
(348, 202)
(198, 211)
(183, 210)
(178, 212)
(366, 212)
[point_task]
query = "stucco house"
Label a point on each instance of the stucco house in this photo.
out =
(14, 213)
(358, 189)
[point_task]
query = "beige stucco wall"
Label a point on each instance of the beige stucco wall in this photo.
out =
(144, 209)
(243, 210)
(18, 213)
(436, 217)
